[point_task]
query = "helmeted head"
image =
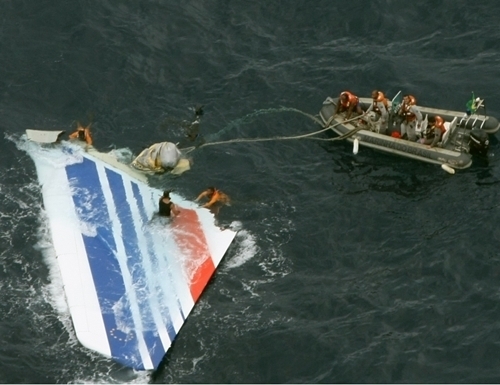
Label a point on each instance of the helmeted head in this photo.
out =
(375, 94)
(211, 190)
(344, 97)
(435, 121)
(409, 100)
(166, 194)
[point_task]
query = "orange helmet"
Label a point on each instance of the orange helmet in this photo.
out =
(378, 96)
(411, 100)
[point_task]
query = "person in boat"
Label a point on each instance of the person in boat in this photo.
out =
(380, 106)
(216, 199)
(411, 117)
(435, 132)
(347, 103)
(83, 134)
(167, 208)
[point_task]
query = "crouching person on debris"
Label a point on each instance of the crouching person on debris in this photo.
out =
(161, 157)
(82, 134)
(167, 208)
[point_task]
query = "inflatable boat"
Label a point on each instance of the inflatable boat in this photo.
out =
(130, 277)
(465, 136)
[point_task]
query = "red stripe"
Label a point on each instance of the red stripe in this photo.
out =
(190, 238)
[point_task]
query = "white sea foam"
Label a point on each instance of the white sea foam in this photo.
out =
(123, 155)
(246, 247)
(57, 159)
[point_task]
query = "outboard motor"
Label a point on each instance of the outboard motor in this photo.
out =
(479, 142)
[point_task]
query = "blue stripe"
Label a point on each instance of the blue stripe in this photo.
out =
(135, 265)
(161, 295)
(101, 251)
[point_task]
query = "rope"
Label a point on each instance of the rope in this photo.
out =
(249, 118)
(304, 136)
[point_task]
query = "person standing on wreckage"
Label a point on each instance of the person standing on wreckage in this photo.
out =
(412, 117)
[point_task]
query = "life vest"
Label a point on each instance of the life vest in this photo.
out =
(351, 99)
(82, 134)
(218, 196)
(405, 109)
(438, 123)
(215, 196)
(380, 99)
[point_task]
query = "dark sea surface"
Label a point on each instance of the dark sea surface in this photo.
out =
(352, 269)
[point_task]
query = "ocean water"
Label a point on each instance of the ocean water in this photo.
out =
(347, 268)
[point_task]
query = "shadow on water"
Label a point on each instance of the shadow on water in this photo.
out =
(382, 172)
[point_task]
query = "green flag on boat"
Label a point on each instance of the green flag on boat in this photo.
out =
(471, 106)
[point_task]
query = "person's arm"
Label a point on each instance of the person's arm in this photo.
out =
(400, 110)
(74, 135)
(88, 137)
(437, 137)
(417, 113)
(337, 109)
(349, 111)
(174, 210)
(203, 194)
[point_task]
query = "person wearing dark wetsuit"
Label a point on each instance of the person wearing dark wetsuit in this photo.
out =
(166, 208)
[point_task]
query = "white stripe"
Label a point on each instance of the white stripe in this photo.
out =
(175, 289)
(170, 259)
(122, 261)
(163, 270)
(72, 258)
(154, 303)
(217, 241)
